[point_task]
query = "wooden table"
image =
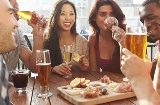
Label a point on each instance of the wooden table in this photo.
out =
(30, 97)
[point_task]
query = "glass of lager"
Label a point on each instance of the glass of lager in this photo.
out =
(43, 66)
(28, 15)
(136, 40)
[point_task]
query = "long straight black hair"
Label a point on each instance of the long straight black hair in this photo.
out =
(52, 36)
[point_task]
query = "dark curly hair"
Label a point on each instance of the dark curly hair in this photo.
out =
(116, 11)
(52, 36)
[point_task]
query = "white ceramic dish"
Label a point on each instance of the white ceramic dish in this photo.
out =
(96, 84)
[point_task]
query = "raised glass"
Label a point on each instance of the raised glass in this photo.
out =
(28, 15)
(136, 40)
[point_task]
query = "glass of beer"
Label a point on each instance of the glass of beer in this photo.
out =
(67, 56)
(28, 15)
(136, 40)
(43, 66)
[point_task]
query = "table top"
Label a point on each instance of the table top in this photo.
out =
(30, 97)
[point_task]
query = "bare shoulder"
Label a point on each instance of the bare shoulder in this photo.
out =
(92, 38)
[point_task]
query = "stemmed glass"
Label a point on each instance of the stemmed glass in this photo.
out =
(67, 55)
(109, 22)
(43, 66)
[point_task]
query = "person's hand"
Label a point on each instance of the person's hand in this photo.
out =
(133, 67)
(118, 34)
(83, 63)
(38, 23)
(63, 69)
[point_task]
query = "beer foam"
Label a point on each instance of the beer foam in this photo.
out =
(43, 64)
(136, 33)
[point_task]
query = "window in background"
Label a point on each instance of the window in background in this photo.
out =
(129, 7)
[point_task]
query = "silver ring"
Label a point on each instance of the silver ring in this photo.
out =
(117, 34)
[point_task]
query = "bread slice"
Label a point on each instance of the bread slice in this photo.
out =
(75, 82)
(83, 85)
(76, 57)
(82, 80)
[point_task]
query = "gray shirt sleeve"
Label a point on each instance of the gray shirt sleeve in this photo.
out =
(22, 42)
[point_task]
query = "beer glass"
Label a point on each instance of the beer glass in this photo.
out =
(67, 56)
(43, 66)
(28, 15)
(136, 40)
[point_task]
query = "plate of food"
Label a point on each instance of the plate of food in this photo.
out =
(96, 84)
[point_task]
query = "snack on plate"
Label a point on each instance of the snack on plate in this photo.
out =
(112, 85)
(105, 79)
(76, 57)
(73, 92)
(91, 92)
(123, 88)
(79, 83)
(75, 83)
(96, 84)
(83, 85)
(104, 91)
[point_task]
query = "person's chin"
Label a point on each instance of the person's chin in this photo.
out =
(7, 49)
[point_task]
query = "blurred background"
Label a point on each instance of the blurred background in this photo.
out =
(83, 7)
(129, 7)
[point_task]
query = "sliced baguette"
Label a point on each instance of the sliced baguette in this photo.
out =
(82, 80)
(75, 82)
(83, 85)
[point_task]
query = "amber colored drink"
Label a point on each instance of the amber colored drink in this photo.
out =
(27, 15)
(137, 44)
(43, 73)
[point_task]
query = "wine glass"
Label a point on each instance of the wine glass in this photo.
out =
(67, 54)
(109, 22)
(43, 66)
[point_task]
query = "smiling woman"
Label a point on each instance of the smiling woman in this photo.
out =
(62, 31)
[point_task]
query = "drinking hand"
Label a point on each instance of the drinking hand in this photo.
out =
(118, 33)
(110, 22)
(38, 23)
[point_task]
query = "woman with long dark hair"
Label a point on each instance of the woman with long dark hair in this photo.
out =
(104, 50)
(62, 31)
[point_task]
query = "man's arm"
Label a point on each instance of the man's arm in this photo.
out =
(145, 92)
(156, 81)
(29, 58)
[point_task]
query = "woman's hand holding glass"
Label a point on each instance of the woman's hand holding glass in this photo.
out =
(111, 24)
(83, 63)
(118, 34)
(63, 69)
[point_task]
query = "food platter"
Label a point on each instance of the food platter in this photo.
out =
(78, 99)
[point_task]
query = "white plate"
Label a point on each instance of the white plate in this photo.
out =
(96, 84)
